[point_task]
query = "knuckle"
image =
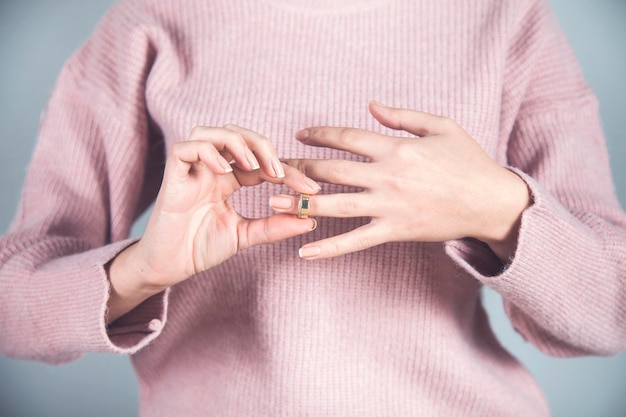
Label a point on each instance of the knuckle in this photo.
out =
(364, 241)
(333, 249)
(263, 141)
(298, 164)
(197, 132)
(337, 171)
(318, 133)
(397, 183)
(447, 123)
(346, 135)
(177, 149)
(176, 146)
(347, 206)
(400, 117)
(267, 232)
(234, 141)
(407, 150)
(236, 136)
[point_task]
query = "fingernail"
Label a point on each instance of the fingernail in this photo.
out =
(313, 225)
(311, 184)
(281, 202)
(303, 134)
(278, 167)
(225, 165)
(254, 164)
(308, 252)
(377, 103)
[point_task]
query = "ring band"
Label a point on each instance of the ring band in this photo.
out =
(303, 206)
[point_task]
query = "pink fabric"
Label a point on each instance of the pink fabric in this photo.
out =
(397, 330)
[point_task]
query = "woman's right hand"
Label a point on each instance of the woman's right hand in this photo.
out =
(193, 225)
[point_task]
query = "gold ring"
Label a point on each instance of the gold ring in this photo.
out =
(303, 206)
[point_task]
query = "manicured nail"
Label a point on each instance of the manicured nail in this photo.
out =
(377, 103)
(252, 161)
(225, 165)
(309, 252)
(303, 134)
(281, 202)
(311, 184)
(313, 225)
(278, 167)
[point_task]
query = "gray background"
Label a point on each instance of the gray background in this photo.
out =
(37, 36)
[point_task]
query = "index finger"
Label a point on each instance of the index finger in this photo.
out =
(263, 149)
(412, 121)
(357, 141)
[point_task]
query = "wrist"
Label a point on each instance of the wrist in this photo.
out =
(503, 219)
(130, 283)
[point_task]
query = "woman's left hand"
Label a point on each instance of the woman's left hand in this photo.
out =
(438, 186)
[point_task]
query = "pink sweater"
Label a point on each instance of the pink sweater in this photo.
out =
(397, 330)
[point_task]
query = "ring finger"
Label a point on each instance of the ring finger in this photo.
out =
(327, 205)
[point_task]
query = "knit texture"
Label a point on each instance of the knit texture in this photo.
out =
(396, 330)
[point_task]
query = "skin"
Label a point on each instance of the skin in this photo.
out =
(438, 186)
(193, 227)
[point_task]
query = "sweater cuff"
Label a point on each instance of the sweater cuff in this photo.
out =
(65, 305)
(137, 328)
(129, 333)
(540, 237)
(553, 291)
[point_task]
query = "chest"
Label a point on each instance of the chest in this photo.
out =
(276, 72)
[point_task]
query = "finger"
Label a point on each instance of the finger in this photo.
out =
(293, 178)
(272, 229)
(184, 155)
(328, 205)
(337, 171)
(227, 142)
(361, 238)
(412, 121)
(263, 148)
(358, 141)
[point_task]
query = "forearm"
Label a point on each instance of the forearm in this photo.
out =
(55, 291)
(563, 291)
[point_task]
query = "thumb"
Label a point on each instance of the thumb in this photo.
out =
(273, 229)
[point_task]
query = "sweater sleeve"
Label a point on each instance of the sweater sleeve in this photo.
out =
(565, 288)
(97, 165)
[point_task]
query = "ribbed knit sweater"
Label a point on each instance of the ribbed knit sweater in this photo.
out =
(396, 330)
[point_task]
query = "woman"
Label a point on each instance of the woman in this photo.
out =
(393, 329)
